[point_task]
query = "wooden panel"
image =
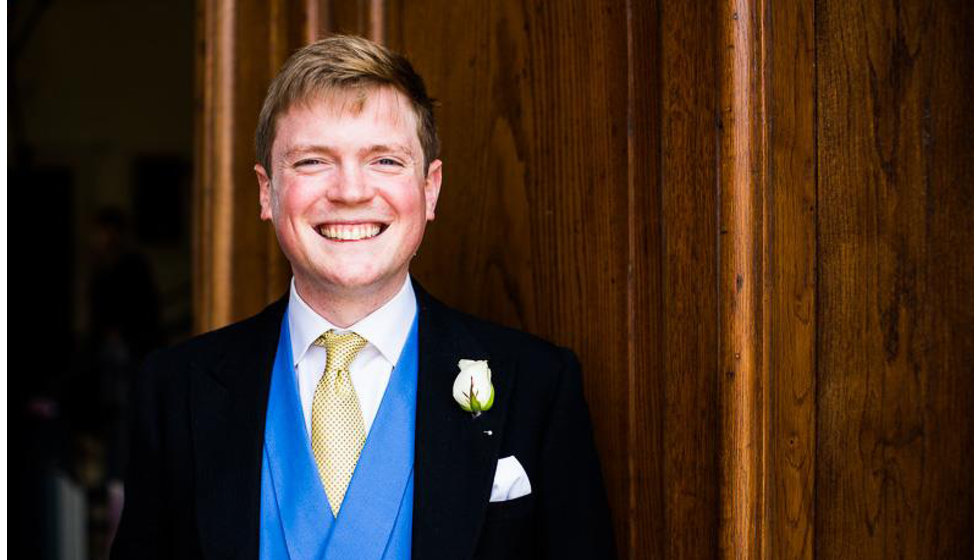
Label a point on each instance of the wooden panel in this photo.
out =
(253, 68)
(895, 202)
(532, 228)
(480, 246)
(773, 314)
(791, 330)
(357, 17)
(688, 295)
(947, 138)
(645, 345)
(211, 228)
(241, 44)
(944, 524)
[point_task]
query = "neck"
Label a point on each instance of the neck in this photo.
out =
(344, 307)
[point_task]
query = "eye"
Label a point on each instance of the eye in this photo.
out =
(307, 162)
(389, 162)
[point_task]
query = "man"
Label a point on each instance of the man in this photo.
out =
(326, 426)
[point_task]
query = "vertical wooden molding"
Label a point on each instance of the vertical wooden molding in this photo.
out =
(743, 387)
(203, 141)
(241, 44)
(767, 280)
(315, 21)
(213, 202)
(222, 211)
(376, 21)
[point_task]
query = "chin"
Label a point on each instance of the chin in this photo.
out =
(357, 283)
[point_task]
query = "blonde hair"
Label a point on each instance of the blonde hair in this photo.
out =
(343, 63)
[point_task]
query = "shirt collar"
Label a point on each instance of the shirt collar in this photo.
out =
(385, 328)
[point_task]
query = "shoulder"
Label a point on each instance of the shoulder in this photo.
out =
(537, 361)
(504, 339)
(543, 370)
(517, 344)
(211, 348)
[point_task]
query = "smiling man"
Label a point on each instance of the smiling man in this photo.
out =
(358, 417)
(349, 190)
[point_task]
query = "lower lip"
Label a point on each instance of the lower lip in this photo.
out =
(349, 240)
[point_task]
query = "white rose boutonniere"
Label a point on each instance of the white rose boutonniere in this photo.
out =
(472, 388)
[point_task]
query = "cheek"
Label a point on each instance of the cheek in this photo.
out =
(410, 199)
(293, 200)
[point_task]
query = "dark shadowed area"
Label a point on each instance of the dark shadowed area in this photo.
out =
(100, 137)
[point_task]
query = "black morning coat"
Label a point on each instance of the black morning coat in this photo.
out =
(193, 485)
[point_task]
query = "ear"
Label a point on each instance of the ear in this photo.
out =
(265, 192)
(433, 183)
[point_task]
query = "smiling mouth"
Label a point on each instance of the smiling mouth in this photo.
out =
(350, 232)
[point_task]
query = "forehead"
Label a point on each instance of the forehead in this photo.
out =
(376, 114)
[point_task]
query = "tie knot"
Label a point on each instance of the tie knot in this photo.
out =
(341, 348)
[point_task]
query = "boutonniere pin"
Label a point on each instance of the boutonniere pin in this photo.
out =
(472, 388)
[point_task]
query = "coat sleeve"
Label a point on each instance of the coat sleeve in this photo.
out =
(573, 510)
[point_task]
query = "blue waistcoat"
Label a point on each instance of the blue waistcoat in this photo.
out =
(375, 521)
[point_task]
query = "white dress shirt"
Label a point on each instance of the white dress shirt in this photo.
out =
(385, 330)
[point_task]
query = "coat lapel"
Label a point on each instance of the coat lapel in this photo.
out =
(455, 456)
(228, 410)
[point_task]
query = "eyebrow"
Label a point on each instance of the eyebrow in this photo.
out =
(306, 149)
(373, 149)
(395, 148)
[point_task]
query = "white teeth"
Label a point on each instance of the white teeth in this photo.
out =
(350, 232)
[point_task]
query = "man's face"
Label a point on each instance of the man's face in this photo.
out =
(347, 192)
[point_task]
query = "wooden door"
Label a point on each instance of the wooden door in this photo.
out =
(750, 219)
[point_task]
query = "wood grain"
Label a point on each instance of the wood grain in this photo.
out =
(751, 220)
(944, 521)
(234, 70)
(647, 513)
(744, 390)
(357, 17)
(894, 476)
(532, 228)
(211, 222)
(791, 329)
(688, 297)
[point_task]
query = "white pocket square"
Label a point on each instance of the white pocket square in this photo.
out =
(510, 481)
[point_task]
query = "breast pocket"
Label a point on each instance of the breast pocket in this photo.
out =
(519, 508)
(507, 530)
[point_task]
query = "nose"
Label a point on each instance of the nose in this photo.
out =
(350, 186)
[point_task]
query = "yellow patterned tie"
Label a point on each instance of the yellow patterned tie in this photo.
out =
(338, 427)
